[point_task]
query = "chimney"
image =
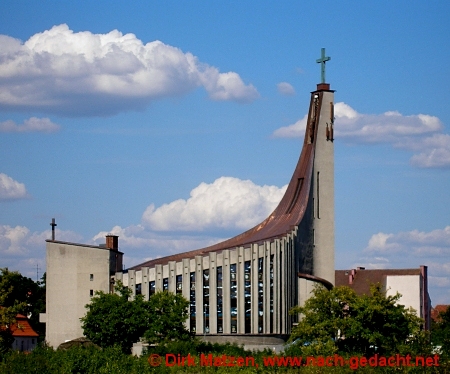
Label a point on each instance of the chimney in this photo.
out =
(112, 242)
(351, 276)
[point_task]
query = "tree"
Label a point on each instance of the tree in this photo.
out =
(356, 324)
(440, 331)
(9, 308)
(24, 291)
(112, 319)
(167, 316)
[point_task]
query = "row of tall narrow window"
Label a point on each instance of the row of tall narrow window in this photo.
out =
(233, 297)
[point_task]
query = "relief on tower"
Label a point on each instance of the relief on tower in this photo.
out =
(330, 127)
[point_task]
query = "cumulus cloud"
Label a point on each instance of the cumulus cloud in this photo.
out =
(32, 124)
(11, 189)
(81, 73)
(226, 203)
(20, 241)
(156, 244)
(421, 133)
(410, 249)
(285, 88)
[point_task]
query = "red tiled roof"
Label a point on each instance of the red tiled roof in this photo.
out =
(22, 327)
(283, 219)
(363, 278)
(437, 310)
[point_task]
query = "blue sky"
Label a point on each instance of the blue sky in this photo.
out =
(177, 124)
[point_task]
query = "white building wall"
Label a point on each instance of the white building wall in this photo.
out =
(409, 287)
(69, 285)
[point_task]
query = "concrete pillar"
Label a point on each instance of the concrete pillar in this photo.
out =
(226, 291)
(158, 278)
(145, 281)
(172, 276)
(212, 293)
(199, 294)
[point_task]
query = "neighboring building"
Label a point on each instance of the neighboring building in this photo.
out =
(25, 338)
(239, 290)
(436, 312)
(411, 284)
(74, 273)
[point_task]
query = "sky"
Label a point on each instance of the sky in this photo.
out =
(178, 124)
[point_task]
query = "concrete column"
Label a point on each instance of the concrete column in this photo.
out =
(240, 291)
(254, 289)
(158, 278)
(226, 291)
(132, 282)
(144, 284)
(199, 294)
(172, 276)
(213, 293)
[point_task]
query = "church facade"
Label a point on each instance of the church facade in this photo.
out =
(239, 290)
(243, 288)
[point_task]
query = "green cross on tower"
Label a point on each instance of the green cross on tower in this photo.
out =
(322, 61)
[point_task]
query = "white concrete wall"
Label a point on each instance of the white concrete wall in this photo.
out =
(323, 193)
(409, 287)
(69, 267)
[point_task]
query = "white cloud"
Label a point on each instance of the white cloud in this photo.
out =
(19, 241)
(226, 203)
(292, 131)
(421, 133)
(11, 189)
(32, 124)
(81, 73)
(285, 88)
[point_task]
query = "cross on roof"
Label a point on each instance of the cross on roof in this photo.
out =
(322, 61)
(53, 225)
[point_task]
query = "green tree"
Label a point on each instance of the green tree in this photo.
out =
(9, 308)
(356, 324)
(167, 316)
(440, 331)
(112, 319)
(23, 290)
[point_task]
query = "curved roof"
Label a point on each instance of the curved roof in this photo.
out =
(280, 222)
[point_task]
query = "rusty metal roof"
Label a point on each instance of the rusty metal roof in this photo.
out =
(283, 219)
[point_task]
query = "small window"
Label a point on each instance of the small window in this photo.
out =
(91, 292)
(91, 277)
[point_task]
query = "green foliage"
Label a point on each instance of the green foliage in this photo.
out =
(357, 324)
(167, 315)
(114, 319)
(10, 305)
(26, 296)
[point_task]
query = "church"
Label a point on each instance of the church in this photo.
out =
(239, 290)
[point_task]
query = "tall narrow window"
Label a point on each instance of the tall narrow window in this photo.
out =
(233, 298)
(139, 289)
(151, 288)
(165, 284)
(260, 295)
(179, 288)
(206, 301)
(91, 277)
(219, 301)
(192, 302)
(318, 201)
(91, 293)
(248, 296)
